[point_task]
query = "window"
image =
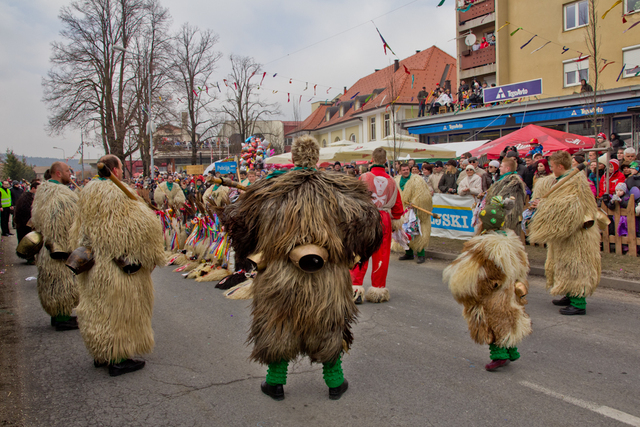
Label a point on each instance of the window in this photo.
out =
(575, 71)
(631, 57)
(631, 6)
(576, 15)
(324, 142)
(337, 139)
(583, 128)
(387, 124)
(352, 137)
(372, 131)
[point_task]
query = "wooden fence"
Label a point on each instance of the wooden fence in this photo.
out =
(630, 239)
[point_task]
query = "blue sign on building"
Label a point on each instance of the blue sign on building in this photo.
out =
(512, 91)
(226, 167)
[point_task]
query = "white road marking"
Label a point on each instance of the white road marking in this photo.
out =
(623, 417)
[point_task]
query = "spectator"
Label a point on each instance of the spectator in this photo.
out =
(493, 170)
(620, 195)
(584, 86)
(576, 160)
(542, 170)
(601, 141)
(465, 156)
(615, 178)
(461, 91)
(434, 179)
(629, 155)
(6, 207)
(447, 183)
(633, 180)
(476, 45)
(427, 170)
(337, 167)
(530, 170)
(462, 165)
(619, 155)
(16, 192)
(616, 142)
(22, 212)
(422, 101)
(415, 170)
(485, 179)
(484, 43)
(471, 184)
(492, 40)
(443, 101)
(625, 167)
(537, 156)
(411, 163)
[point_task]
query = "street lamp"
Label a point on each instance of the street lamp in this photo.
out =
(150, 125)
(63, 156)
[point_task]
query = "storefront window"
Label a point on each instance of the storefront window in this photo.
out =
(583, 128)
(561, 127)
(440, 139)
(458, 137)
(508, 131)
(487, 134)
(621, 125)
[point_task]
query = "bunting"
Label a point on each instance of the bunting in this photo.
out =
(385, 45)
(516, 30)
(611, 8)
(621, 71)
(606, 65)
(541, 47)
(530, 40)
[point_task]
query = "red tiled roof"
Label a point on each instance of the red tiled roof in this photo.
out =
(426, 66)
(290, 126)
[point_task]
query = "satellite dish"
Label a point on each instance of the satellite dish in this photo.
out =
(470, 40)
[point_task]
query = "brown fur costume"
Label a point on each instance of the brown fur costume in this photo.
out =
(510, 186)
(417, 193)
(297, 313)
(115, 308)
(55, 208)
(573, 252)
(483, 279)
(175, 197)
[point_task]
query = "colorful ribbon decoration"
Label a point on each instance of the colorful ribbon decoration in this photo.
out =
(541, 47)
(611, 8)
(516, 30)
(621, 71)
(606, 65)
(530, 40)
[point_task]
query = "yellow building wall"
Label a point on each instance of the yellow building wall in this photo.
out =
(546, 19)
(322, 136)
(355, 130)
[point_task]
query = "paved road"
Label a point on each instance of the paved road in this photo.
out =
(412, 364)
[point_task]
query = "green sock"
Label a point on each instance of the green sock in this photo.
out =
(497, 353)
(579, 302)
(513, 353)
(421, 253)
(61, 318)
(332, 373)
(409, 252)
(277, 373)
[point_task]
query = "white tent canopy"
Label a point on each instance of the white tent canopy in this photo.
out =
(402, 148)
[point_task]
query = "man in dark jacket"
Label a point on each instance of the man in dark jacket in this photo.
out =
(447, 183)
(16, 192)
(22, 212)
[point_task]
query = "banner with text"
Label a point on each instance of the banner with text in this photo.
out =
(226, 167)
(512, 91)
(456, 216)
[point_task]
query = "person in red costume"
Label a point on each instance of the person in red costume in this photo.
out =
(386, 196)
(616, 178)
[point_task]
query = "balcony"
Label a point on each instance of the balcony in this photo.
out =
(470, 59)
(478, 9)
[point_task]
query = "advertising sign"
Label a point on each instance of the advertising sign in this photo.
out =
(456, 216)
(512, 91)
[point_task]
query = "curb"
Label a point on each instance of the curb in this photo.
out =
(605, 282)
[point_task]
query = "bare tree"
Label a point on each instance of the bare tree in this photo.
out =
(243, 105)
(592, 39)
(89, 83)
(194, 61)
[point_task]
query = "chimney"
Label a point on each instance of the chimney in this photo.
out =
(185, 120)
(376, 70)
(345, 90)
(396, 65)
(417, 51)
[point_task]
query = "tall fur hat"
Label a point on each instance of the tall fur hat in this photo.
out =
(494, 213)
(305, 152)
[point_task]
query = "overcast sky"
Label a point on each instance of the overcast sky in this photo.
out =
(270, 31)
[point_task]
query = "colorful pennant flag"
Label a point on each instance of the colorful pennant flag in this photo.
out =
(564, 49)
(441, 3)
(607, 64)
(406, 70)
(611, 8)
(516, 30)
(466, 9)
(385, 45)
(530, 40)
(636, 23)
(541, 47)
(263, 76)
(621, 71)
(505, 24)
(355, 95)
(314, 89)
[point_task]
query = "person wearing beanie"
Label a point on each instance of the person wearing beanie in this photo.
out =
(633, 180)
(510, 185)
(489, 279)
(493, 170)
(564, 221)
(414, 191)
(620, 196)
(308, 228)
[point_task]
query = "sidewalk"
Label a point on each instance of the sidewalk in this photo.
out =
(618, 271)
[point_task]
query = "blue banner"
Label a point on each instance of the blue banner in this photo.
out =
(226, 167)
(512, 91)
(456, 216)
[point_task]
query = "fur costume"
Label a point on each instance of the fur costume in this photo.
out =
(416, 192)
(55, 208)
(573, 252)
(293, 312)
(175, 197)
(218, 193)
(483, 280)
(115, 308)
(510, 186)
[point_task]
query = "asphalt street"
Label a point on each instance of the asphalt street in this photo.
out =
(412, 363)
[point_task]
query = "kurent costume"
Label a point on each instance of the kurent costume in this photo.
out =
(386, 197)
(116, 307)
(489, 278)
(55, 209)
(573, 251)
(510, 185)
(413, 190)
(296, 312)
(218, 193)
(171, 192)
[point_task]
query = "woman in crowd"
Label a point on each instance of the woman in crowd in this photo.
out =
(542, 170)
(471, 184)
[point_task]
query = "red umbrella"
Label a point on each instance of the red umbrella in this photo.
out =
(552, 140)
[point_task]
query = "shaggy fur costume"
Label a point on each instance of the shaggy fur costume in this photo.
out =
(219, 195)
(573, 252)
(510, 186)
(175, 197)
(416, 192)
(115, 308)
(55, 208)
(483, 279)
(297, 313)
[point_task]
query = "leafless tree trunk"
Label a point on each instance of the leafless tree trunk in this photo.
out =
(194, 61)
(592, 39)
(243, 105)
(89, 82)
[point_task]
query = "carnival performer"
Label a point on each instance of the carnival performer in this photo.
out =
(489, 278)
(386, 197)
(169, 192)
(54, 210)
(116, 294)
(216, 194)
(303, 221)
(414, 191)
(564, 220)
(508, 186)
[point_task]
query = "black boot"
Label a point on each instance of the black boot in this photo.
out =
(572, 311)
(97, 364)
(405, 257)
(126, 366)
(562, 302)
(276, 392)
(336, 393)
(420, 260)
(67, 325)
